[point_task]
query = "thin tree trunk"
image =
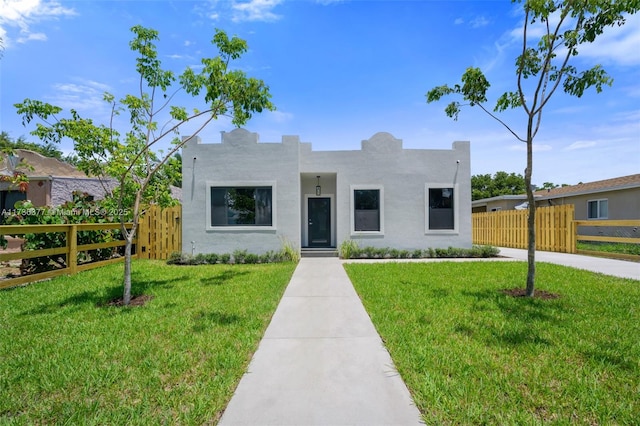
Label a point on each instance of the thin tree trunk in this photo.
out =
(126, 297)
(531, 221)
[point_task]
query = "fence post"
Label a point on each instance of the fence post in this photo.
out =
(72, 252)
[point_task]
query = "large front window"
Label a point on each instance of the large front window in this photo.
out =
(441, 209)
(241, 206)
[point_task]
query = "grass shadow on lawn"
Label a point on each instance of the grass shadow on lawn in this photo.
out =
(223, 277)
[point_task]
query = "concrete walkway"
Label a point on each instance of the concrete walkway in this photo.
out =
(321, 361)
(617, 268)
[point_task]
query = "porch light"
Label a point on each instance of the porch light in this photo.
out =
(318, 187)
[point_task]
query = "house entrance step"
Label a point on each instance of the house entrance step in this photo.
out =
(319, 252)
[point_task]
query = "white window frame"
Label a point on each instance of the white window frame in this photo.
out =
(241, 183)
(456, 208)
(352, 211)
(599, 216)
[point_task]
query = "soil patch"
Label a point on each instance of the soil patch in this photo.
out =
(135, 301)
(538, 294)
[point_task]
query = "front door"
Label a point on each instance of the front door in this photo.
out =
(319, 222)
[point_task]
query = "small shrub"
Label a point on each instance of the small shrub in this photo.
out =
(239, 256)
(199, 259)
(251, 258)
(349, 249)
(176, 258)
(211, 258)
(417, 254)
(288, 252)
(225, 258)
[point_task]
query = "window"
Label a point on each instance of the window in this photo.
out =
(597, 209)
(441, 202)
(368, 213)
(241, 206)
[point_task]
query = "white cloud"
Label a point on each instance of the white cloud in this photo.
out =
(85, 95)
(458, 21)
(479, 21)
(580, 145)
(255, 10)
(536, 147)
(22, 14)
(32, 36)
(617, 45)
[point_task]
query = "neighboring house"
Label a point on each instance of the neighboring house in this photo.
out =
(617, 198)
(244, 195)
(51, 181)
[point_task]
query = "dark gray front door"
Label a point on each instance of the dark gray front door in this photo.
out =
(319, 222)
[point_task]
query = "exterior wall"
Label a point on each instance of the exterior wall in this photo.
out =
(403, 176)
(622, 204)
(240, 159)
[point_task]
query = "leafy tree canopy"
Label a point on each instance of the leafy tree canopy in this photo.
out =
(552, 35)
(48, 149)
(133, 158)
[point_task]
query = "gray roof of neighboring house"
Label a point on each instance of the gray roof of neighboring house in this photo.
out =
(615, 184)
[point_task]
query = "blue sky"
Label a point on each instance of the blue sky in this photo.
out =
(339, 72)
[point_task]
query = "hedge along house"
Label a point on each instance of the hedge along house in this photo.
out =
(244, 195)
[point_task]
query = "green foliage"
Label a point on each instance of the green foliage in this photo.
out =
(289, 252)
(240, 256)
(349, 249)
(48, 150)
(132, 158)
(613, 248)
(80, 210)
(501, 183)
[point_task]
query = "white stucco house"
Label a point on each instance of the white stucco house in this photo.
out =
(242, 194)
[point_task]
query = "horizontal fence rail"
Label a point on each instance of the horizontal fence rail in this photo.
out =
(70, 250)
(158, 235)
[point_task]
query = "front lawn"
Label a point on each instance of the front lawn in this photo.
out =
(67, 358)
(471, 354)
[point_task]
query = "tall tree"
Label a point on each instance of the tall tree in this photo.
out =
(543, 66)
(48, 150)
(130, 158)
(501, 183)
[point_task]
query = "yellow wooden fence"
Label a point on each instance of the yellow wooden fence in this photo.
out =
(555, 228)
(159, 234)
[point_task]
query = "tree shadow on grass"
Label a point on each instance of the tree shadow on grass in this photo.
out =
(223, 277)
(104, 297)
(205, 320)
(525, 317)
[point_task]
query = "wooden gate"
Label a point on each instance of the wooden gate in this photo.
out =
(160, 233)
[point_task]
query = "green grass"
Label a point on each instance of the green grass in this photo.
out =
(621, 248)
(66, 358)
(473, 355)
